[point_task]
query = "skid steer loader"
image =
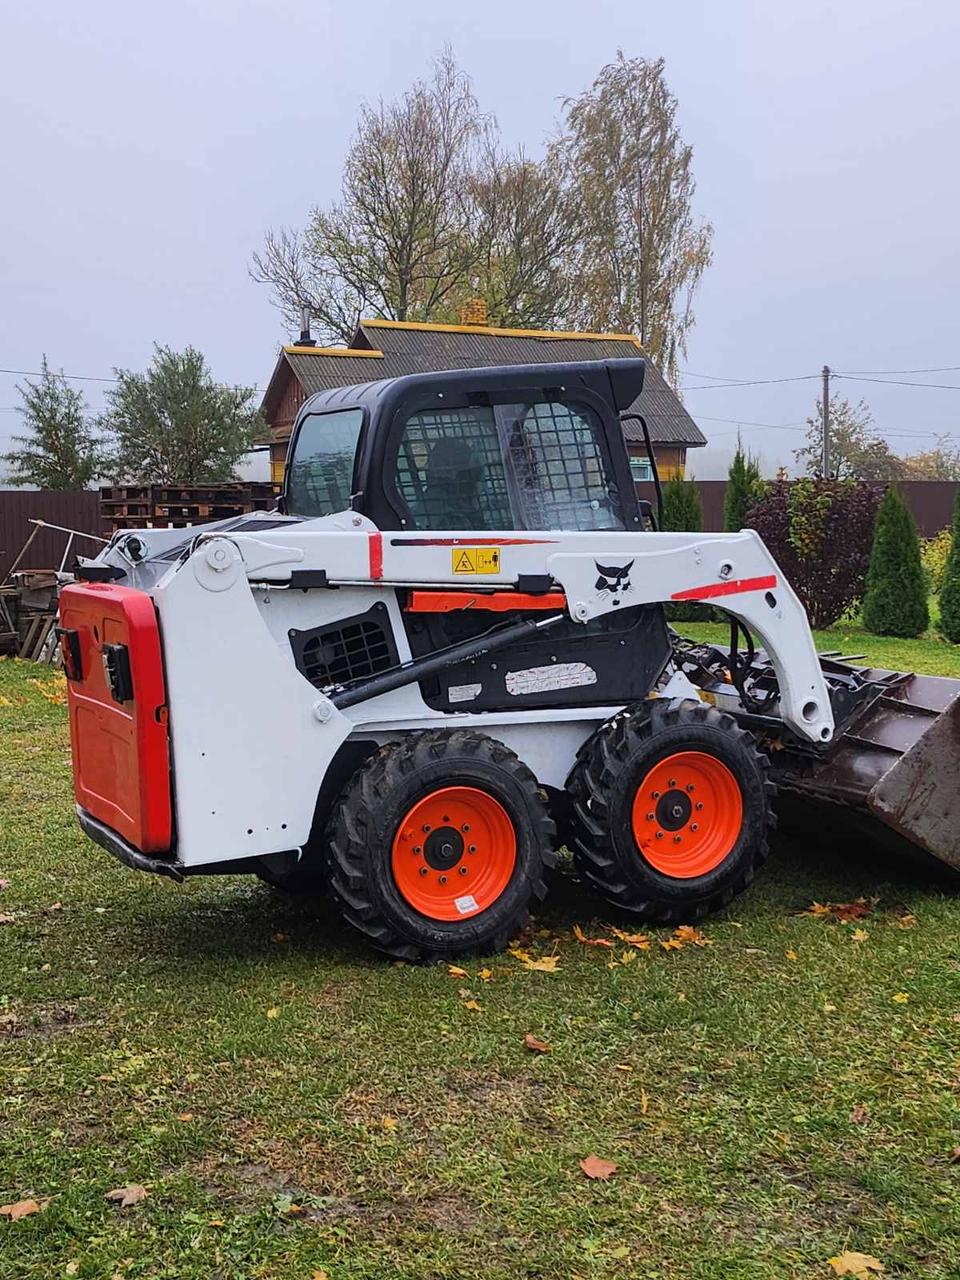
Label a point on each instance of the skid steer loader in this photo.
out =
(445, 655)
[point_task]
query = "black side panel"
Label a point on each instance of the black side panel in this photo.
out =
(348, 649)
(615, 659)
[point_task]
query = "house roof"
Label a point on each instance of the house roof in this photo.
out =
(394, 347)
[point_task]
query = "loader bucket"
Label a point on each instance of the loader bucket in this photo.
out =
(896, 758)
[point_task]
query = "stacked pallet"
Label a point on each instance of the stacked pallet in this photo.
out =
(158, 506)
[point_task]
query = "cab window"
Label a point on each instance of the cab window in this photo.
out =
(530, 465)
(320, 479)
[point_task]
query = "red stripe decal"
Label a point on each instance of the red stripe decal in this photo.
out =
(734, 588)
(376, 555)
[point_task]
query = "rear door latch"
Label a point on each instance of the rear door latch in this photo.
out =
(116, 667)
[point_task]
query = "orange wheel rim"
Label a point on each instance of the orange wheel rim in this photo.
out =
(454, 853)
(687, 814)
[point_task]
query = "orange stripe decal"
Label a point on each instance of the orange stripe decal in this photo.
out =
(376, 555)
(735, 588)
(492, 601)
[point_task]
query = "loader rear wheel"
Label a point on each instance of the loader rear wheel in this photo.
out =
(438, 844)
(673, 808)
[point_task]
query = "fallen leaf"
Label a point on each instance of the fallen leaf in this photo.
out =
(628, 956)
(281, 937)
(518, 953)
(185, 1117)
(859, 935)
(127, 1196)
(901, 997)
(273, 1013)
(842, 911)
(389, 1123)
(531, 1042)
(71, 1268)
(22, 1209)
(829, 1008)
(622, 1066)
(473, 1005)
(859, 1114)
(817, 909)
(638, 940)
(320, 1274)
(590, 942)
(687, 933)
(455, 971)
(548, 964)
(6, 919)
(485, 975)
(598, 1168)
(954, 1156)
(791, 955)
(851, 1263)
(672, 944)
(644, 1102)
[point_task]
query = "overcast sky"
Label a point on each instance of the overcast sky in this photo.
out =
(146, 150)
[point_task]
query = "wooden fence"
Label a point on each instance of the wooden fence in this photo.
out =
(72, 510)
(930, 502)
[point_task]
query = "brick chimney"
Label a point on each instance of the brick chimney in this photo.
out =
(474, 312)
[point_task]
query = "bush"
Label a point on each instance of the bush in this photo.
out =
(683, 513)
(820, 533)
(895, 603)
(933, 556)
(950, 585)
(744, 487)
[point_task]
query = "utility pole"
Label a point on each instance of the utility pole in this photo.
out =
(825, 464)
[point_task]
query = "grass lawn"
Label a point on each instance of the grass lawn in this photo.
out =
(297, 1107)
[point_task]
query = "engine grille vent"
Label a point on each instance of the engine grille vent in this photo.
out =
(349, 649)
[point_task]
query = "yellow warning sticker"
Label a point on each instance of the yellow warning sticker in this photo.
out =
(475, 559)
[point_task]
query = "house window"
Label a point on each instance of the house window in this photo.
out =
(534, 465)
(640, 468)
(321, 469)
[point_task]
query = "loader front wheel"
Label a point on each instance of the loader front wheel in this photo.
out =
(673, 810)
(438, 845)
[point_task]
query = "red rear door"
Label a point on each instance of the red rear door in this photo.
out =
(118, 715)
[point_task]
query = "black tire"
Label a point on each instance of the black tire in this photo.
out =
(604, 783)
(370, 812)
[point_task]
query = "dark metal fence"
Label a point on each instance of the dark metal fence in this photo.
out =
(930, 502)
(72, 510)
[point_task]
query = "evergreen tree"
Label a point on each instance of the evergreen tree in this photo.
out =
(60, 449)
(682, 512)
(175, 425)
(895, 603)
(950, 590)
(744, 487)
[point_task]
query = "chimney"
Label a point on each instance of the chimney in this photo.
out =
(305, 340)
(474, 312)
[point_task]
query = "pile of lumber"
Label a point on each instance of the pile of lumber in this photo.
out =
(28, 614)
(159, 506)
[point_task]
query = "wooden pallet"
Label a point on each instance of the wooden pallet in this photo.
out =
(179, 506)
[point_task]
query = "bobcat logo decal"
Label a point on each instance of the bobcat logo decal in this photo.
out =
(613, 578)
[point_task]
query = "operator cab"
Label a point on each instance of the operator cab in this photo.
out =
(517, 447)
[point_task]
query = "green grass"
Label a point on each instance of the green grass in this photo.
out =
(723, 1080)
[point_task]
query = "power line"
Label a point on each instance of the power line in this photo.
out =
(943, 368)
(894, 382)
(753, 382)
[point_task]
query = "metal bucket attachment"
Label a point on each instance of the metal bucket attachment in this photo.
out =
(896, 756)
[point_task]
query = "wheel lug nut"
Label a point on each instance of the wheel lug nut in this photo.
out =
(690, 786)
(659, 835)
(672, 782)
(423, 871)
(472, 848)
(699, 804)
(694, 826)
(443, 879)
(651, 816)
(463, 871)
(676, 839)
(418, 848)
(656, 795)
(426, 826)
(465, 827)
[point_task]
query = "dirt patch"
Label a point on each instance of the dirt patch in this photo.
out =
(41, 1024)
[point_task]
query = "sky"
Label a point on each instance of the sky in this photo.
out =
(146, 150)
